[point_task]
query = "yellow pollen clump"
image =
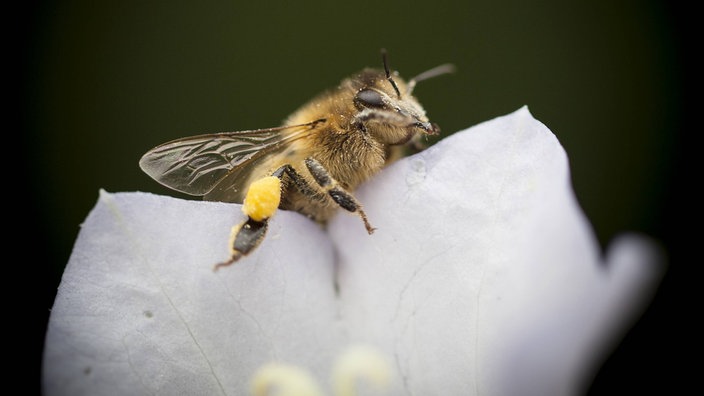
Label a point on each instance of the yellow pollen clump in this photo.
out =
(262, 198)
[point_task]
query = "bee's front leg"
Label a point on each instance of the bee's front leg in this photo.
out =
(338, 194)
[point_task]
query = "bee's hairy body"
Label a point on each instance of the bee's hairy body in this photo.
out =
(324, 151)
(350, 155)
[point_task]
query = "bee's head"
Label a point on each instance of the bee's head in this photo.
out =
(386, 107)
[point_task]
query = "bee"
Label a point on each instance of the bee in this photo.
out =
(311, 165)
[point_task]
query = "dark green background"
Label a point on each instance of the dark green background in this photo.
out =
(105, 81)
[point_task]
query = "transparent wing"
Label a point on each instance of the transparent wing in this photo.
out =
(196, 165)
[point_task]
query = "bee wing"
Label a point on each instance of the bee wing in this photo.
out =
(196, 165)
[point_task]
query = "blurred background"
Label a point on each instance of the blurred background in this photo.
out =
(103, 82)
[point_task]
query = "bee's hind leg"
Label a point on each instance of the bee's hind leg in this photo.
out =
(262, 200)
(243, 239)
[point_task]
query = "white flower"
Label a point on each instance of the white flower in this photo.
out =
(483, 277)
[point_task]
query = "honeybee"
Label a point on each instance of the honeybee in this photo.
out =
(310, 165)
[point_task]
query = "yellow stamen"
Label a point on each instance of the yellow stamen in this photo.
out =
(284, 380)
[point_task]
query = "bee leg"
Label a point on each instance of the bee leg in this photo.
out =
(243, 239)
(262, 200)
(336, 192)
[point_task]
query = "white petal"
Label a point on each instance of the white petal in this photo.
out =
(140, 310)
(483, 278)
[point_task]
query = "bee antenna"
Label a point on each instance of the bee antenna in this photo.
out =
(434, 72)
(388, 74)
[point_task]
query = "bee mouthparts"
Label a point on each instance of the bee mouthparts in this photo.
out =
(429, 128)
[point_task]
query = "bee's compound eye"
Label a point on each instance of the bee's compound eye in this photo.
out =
(369, 98)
